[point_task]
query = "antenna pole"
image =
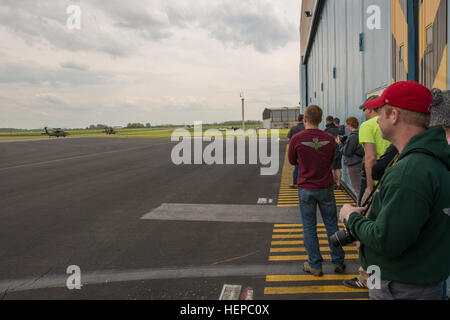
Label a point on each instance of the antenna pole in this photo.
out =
(243, 119)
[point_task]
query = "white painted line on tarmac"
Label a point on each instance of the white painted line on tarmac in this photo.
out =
(223, 213)
(105, 277)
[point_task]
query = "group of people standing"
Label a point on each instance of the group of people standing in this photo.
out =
(398, 162)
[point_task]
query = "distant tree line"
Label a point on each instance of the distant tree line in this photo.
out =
(11, 130)
(138, 125)
(147, 125)
(238, 123)
(97, 127)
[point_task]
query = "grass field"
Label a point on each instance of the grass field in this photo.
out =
(128, 133)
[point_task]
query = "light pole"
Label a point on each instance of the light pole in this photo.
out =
(243, 121)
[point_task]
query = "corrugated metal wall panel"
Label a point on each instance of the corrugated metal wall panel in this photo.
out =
(337, 45)
(377, 53)
(341, 58)
(331, 88)
(354, 29)
(325, 53)
(320, 52)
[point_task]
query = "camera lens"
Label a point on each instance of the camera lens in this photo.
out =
(342, 238)
(335, 241)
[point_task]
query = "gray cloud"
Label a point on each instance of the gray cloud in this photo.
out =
(45, 21)
(48, 99)
(254, 23)
(170, 66)
(145, 17)
(37, 75)
(74, 65)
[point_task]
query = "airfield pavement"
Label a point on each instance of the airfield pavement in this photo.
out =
(140, 227)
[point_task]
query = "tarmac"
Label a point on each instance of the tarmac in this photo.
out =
(140, 227)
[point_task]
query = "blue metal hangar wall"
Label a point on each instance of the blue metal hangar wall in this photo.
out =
(352, 49)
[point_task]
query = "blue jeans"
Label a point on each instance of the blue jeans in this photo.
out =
(295, 175)
(362, 190)
(309, 199)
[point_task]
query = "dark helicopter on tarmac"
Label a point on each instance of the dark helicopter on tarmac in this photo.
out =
(55, 133)
(110, 131)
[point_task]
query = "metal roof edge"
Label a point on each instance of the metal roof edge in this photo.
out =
(318, 8)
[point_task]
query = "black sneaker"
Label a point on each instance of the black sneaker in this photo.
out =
(354, 284)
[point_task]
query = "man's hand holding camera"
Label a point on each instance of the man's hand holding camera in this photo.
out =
(347, 210)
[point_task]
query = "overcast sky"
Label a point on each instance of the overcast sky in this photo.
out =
(158, 61)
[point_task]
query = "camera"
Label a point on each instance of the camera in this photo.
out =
(342, 238)
(343, 138)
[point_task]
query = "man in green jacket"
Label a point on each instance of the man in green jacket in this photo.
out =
(407, 232)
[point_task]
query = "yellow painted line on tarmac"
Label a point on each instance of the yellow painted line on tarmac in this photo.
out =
(287, 230)
(287, 236)
(287, 225)
(319, 230)
(281, 243)
(310, 289)
(305, 257)
(296, 230)
(300, 277)
(296, 236)
(302, 249)
(299, 225)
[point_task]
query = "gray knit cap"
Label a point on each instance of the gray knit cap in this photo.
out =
(440, 110)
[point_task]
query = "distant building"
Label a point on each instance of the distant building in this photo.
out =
(280, 118)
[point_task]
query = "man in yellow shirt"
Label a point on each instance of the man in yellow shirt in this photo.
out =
(374, 147)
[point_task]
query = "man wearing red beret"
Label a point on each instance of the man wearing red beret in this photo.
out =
(407, 232)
